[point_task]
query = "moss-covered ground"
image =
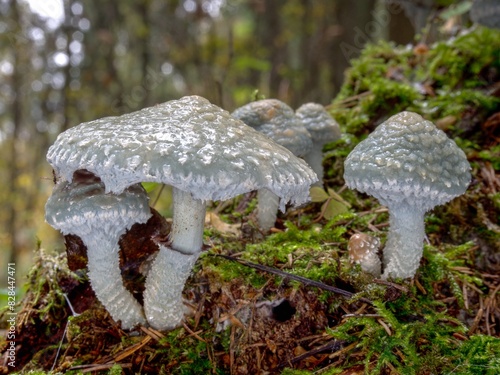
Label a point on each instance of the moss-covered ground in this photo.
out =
(263, 304)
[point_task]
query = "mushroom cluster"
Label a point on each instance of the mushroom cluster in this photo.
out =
(203, 153)
(277, 121)
(410, 166)
(304, 132)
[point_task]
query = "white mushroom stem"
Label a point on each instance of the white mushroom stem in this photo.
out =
(404, 246)
(315, 160)
(188, 220)
(267, 209)
(163, 295)
(106, 279)
(82, 208)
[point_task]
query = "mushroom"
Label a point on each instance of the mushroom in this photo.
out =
(363, 250)
(203, 153)
(322, 128)
(82, 208)
(410, 166)
(276, 120)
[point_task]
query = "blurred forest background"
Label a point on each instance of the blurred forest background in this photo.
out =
(63, 62)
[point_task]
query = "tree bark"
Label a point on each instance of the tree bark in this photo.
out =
(16, 110)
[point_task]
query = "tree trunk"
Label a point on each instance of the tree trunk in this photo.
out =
(16, 110)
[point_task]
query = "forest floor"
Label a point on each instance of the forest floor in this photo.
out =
(265, 305)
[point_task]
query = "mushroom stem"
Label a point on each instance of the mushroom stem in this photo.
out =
(106, 279)
(171, 268)
(163, 295)
(267, 209)
(82, 208)
(186, 235)
(315, 160)
(404, 246)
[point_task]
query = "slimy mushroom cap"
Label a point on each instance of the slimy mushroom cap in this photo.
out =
(189, 144)
(276, 120)
(408, 159)
(363, 250)
(79, 208)
(318, 122)
(410, 166)
(361, 245)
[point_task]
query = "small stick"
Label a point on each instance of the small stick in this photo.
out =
(333, 345)
(301, 279)
(361, 316)
(152, 333)
(192, 333)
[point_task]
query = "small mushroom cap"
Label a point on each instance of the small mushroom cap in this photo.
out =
(318, 122)
(276, 120)
(361, 246)
(363, 250)
(407, 158)
(80, 207)
(190, 144)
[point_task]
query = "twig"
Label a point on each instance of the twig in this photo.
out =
(490, 302)
(290, 276)
(343, 350)
(73, 312)
(152, 333)
(131, 349)
(385, 326)
(388, 283)
(477, 319)
(158, 195)
(192, 333)
(361, 316)
(348, 102)
(333, 345)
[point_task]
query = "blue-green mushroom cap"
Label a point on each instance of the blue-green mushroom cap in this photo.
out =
(318, 122)
(407, 158)
(278, 121)
(189, 144)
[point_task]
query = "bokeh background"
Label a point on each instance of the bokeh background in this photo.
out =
(63, 62)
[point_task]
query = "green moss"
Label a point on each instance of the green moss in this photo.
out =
(182, 353)
(478, 355)
(462, 62)
(402, 336)
(222, 271)
(491, 155)
(449, 80)
(115, 370)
